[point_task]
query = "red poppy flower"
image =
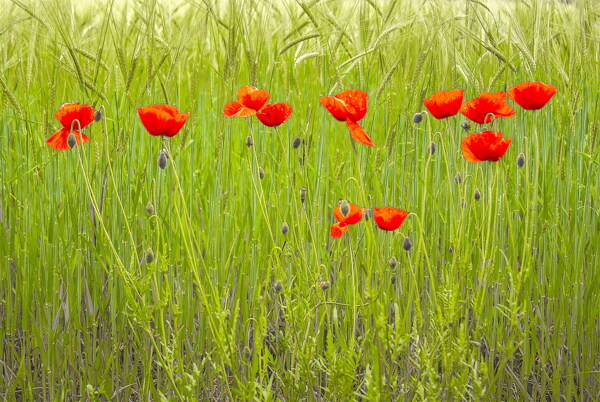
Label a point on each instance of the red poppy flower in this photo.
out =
(480, 108)
(69, 112)
(59, 140)
(485, 146)
(532, 95)
(388, 218)
(354, 214)
(164, 120)
(72, 116)
(250, 101)
(338, 229)
(444, 104)
(274, 114)
(350, 106)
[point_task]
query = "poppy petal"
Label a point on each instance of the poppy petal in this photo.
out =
(485, 146)
(236, 109)
(59, 140)
(252, 97)
(487, 107)
(388, 218)
(335, 106)
(338, 229)
(356, 103)
(532, 95)
(358, 133)
(164, 120)
(444, 104)
(274, 114)
(69, 112)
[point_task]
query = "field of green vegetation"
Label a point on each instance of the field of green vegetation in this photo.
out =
(199, 294)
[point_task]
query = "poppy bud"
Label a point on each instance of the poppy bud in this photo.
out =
(521, 160)
(477, 195)
(365, 212)
(249, 141)
(278, 286)
(303, 194)
(297, 142)
(417, 118)
(149, 256)
(393, 262)
(97, 116)
(458, 178)
(71, 141)
(394, 279)
(261, 173)
(407, 244)
(451, 249)
(345, 207)
(325, 285)
(150, 208)
(466, 125)
(163, 159)
(431, 148)
(285, 228)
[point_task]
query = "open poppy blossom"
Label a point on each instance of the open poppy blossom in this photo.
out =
(72, 116)
(346, 214)
(350, 106)
(532, 95)
(274, 114)
(388, 218)
(485, 146)
(250, 101)
(487, 107)
(444, 104)
(164, 120)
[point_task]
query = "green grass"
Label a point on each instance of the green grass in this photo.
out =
(498, 299)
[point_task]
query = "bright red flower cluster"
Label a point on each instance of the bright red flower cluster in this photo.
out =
(488, 145)
(386, 218)
(252, 101)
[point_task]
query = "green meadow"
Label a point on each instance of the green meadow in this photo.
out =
(123, 281)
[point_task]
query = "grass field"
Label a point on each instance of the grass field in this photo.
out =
(497, 299)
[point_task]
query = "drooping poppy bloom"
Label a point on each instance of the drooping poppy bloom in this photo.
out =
(388, 218)
(346, 214)
(72, 116)
(250, 101)
(444, 104)
(164, 120)
(485, 146)
(350, 106)
(274, 114)
(532, 95)
(487, 107)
